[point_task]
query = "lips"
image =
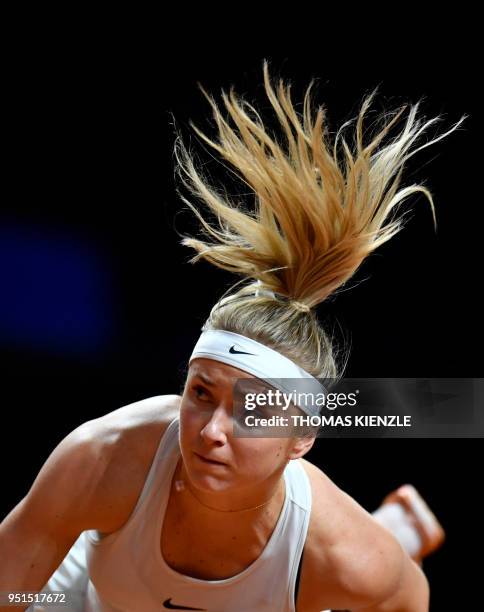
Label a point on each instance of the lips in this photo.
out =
(209, 461)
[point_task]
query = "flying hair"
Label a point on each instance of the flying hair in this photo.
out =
(317, 208)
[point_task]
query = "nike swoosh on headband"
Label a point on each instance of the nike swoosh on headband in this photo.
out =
(233, 350)
(167, 604)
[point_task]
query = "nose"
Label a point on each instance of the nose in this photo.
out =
(217, 427)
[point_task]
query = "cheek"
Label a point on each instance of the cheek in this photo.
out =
(190, 424)
(263, 459)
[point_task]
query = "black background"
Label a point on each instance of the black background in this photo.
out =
(89, 143)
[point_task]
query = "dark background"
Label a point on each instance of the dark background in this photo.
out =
(100, 308)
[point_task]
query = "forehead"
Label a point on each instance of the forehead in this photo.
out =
(216, 372)
(222, 376)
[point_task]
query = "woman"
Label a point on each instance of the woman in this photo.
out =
(162, 505)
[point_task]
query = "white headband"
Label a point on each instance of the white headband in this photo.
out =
(261, 361)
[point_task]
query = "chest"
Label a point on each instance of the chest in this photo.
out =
(209, 551)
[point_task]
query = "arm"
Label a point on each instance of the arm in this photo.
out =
(351, 561)
(91, 480)
(408, 587)
(382, 577)
(38, 533)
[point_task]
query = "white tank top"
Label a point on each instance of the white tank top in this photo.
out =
(127, 570)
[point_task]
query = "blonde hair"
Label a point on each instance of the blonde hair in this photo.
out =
(312, 222)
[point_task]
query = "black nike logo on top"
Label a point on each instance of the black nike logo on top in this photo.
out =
(233, 350)
(167, 604)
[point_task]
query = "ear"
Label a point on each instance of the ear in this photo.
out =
(300, 447)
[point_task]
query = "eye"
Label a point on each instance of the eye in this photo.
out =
(199, 391)
(262, 411)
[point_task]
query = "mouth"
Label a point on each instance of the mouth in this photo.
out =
(208, 461)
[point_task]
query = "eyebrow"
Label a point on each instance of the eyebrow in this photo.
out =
(205, 379)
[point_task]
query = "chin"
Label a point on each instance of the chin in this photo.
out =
(206, 477)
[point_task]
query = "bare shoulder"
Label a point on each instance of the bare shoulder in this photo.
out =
(333, 512)
(126, 439)
(350, 560)
(131, 423)
(91, 480)
(130, 435)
